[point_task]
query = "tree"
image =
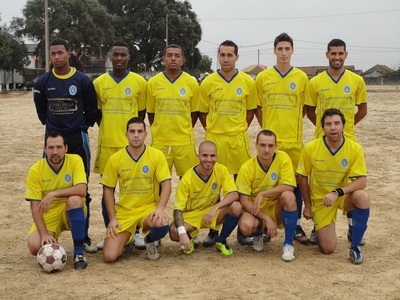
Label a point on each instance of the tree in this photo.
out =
(142, 24)
(13, 52)
(85, 24)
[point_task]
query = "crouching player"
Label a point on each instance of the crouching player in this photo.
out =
(265, 184)
(197, 202)
(334, 176)
(56, 188)
(140, 171)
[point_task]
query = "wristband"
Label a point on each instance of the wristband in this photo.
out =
(181, 230)
(339, 192)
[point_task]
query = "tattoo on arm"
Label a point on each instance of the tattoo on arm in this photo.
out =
(178, 218)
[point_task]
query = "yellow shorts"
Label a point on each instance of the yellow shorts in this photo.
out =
(195, 218)
(130, 219)
(183, 157)
(293, 150)
(56, 219)
(102, 156)
(233, 150)
(268, 208)
(323, 216)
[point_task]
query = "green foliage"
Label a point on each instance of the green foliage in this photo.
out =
(13, 52)
(91, 26)
(85, 24)
(142, 24)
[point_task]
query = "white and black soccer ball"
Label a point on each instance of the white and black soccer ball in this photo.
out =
(51, 257)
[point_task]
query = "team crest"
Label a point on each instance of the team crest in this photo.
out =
(128, 91)
(346, 89)
(182, 91)
(145, 169)
(239, 91)
(274, 176)
(73, 90)
(292, 86)
(214, 186)
(344, 163)
(67, 178)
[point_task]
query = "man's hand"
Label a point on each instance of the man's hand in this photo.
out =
(111, 228)
(329, 199)
(158, 217)
(210, 215)
(44, 205)
(48, 239)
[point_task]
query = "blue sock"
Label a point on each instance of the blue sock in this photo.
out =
(257, 232)
(289, 220)
(360, 219)
(229, 224)
(350, 216)
(76, 217)
(299, 202)
(156, 233)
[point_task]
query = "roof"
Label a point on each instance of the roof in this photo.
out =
(379, 69)
(254, 69)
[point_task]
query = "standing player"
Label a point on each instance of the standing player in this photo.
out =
(56, 186)
(66, 102)
(172, 108)
(333, 175)
(121, 95)
(337, 88)
(197, 202)
(281, 109)
(265, 184)
(140, 171)
(227, 107)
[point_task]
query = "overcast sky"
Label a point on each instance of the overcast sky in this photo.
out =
(371, 28)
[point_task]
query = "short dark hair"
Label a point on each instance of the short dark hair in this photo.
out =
(336, 43)
(135, 120)
(174, 46)
(54, 134)
(59, 41)
(120, 44)
(266, 132)
(229, 43)
(332, 112)
(283, 37)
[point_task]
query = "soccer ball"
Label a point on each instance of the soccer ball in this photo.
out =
(51, 257)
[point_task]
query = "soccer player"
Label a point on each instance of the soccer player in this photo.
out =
(265, 184)
(172, 109)
(281, 109)
(334, 176)
(66, 102)
(197, 202)
(121, 95)
(140, 171)
(227, 107)
(337, 88)
(56, 187)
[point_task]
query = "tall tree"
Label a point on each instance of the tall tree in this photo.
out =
(84, 23)
(13, 52)
(142, 24)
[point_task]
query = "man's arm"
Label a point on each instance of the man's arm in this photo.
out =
(250, 116)
(142, 114)
(151, 118)
(37, 217)
(194, 115)
(361, 113)
(77, 190)
(305, 193)
(40, 103)
(90, 102)
(259, 115)
(203, 118)
(310, 111)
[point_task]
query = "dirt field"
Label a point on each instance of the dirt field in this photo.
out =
(205, 274)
